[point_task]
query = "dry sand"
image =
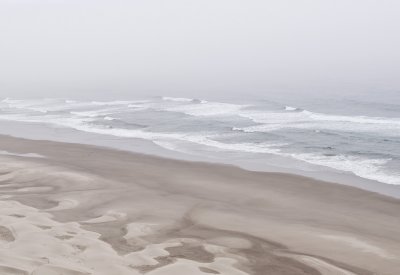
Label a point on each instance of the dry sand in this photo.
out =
(73, 209)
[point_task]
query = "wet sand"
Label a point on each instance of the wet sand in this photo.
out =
(78, 209)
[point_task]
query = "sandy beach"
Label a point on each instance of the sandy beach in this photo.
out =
(75, 209)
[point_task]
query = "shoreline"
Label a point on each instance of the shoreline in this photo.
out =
(272, 163)
(156, 215)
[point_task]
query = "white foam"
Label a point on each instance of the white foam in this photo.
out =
(94, 113)
(207, 109)
(355, 119)
(117, 102)
(139, 107)
(177, 99)
(365, 168)
(43, 105)
(9, 100)
(273, 117)
(27, 155)
(109, 118)
(267, 121)
(33, 105)
(272, 121)
(81, 125)
(289, 108)
(270, 117)
(196, 139)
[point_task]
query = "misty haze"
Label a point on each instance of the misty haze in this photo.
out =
(191, 137)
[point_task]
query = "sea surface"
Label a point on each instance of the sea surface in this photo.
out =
(357, 137)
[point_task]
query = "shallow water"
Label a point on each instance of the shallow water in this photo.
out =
(351, 136)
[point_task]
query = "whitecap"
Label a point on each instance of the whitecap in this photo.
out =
(289, 108)
(366, 168)
(272, 121)
(177, 99)
(109, 118)
(207, 109)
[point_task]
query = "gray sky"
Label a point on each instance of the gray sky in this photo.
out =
(81, 48)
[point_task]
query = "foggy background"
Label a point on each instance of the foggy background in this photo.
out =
(204, 48)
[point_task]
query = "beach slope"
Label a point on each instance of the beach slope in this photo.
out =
(76, 209)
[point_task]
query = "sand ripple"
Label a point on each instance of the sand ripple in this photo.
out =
(33, 243)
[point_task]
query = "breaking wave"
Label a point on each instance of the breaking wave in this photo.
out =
(243, 128)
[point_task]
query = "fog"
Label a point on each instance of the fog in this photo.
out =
(203, 48)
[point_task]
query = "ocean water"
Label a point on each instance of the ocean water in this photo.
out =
(349, 136)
